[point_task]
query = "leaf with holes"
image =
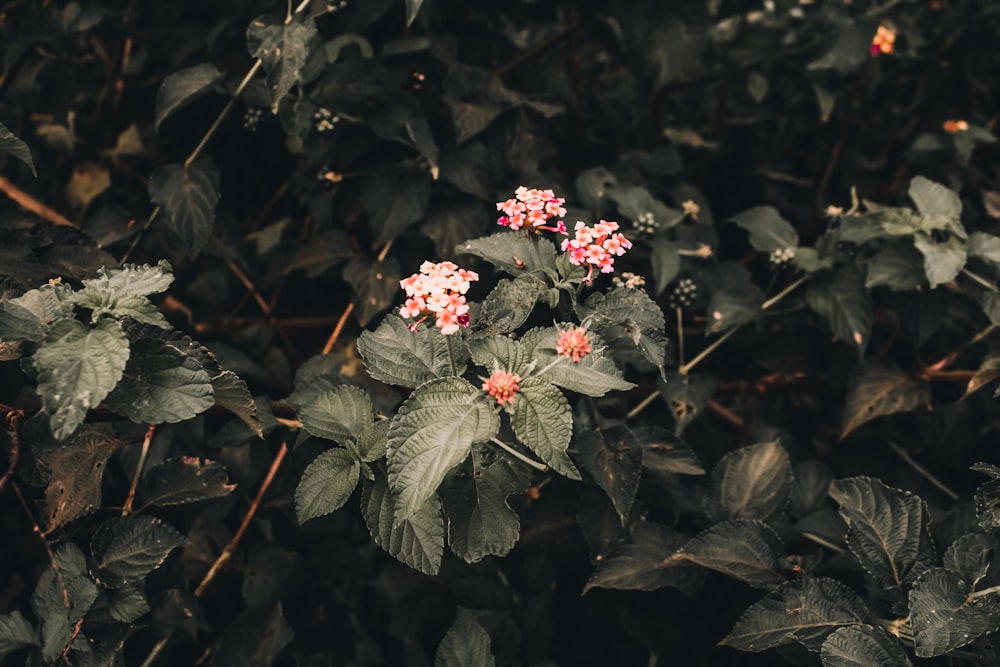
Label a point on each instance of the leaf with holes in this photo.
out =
(183, 87)
(466, 644)
(75, 474)
(187, 196)
(127, 548)
(184, 480)
(326, 484)
(283, 48)
(614, 459)
(417, 541)
(877, 389)
(946, 613)
(751, 483)
(395, 355)
(746, 550)
(862, 646)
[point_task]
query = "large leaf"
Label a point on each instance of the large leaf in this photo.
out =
(614, 459)
(746, 550)
(887, 530)
(645, 563)
(326, 484)
(187, 196)
(899, 266)
(751, 483)
(639, 316)
(499, 352)
(11, 145)
(122, 292)
(75, 473)
(183, 87)
(417, 541)
(161, 384)
(340, 414)
(394, 197)
(840, 298)
(15, 632)
(863, 646)
(543, 421)
(29, 316)
(127, 548)
(184, 480)
(877, 389)
(395, 355)
(480, 522)
(594, 375)
(804, 611)
(78, 366)
(255, 639)
(946, 614)
(513, 252)
(768, 230)
(432, 433)
(466, 644)
(283, 47)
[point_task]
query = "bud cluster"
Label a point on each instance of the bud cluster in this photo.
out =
(782, 256)
(325, 119)
(684, 294)
(502, 386)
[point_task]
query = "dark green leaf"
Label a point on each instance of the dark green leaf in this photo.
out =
(632, 309)
(340, 414)
(283, 48)
(803, 611)
(51, 592)
(942, 261)
(187, 196)
(876, 390)
(899, 266)
(594, 375)
(395, 355)
(614, 459)
(751, 483)
(255, 639)
(666, 263)
(969, 557)
(513, 252)
(326, 484)
(325, 249)
(686, 396)
(768, 230)
(466, 644)
(417, 541)
(183, 87)
(646, 563)
(15, 632)
(947, 614)
(127, 548)
(184, 480)
(509, 304)
(75, 474)
(122, 293)
(665, 454)
(988, 497)
(810, 487)
(746, 550)
(266, 572)
(11, 145)
(126, 605)
(28, 316)
(375, 285)
(471, 118)
(863, 646)
(394, 197)
(840, 298)
(730, 309)
(232, 393)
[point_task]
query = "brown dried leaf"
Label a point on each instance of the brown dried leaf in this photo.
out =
(75, 473)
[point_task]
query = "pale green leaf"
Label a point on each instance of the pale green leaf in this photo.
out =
(417, 541)
(122, 292)
(513, 252)
(12, 145)
(942, 261)
(466, 644)
(939, 206)
(493, 352)
(543, 421)
(29, 316)
(395, 355)
(636, 314)
(15, 632)
(594, 375)
(509, 304)
(326, 484)
(340, 414)
(768, 230)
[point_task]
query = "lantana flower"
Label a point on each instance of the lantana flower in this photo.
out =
(884, 40)
(596, 246)
(532, 209)
(573, 343)
(438, 289)
(954, 126)
(502, 386)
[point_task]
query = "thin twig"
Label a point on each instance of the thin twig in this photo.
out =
(143, 453)
(902, 453)
(979, 279)
(822, 542)
(985, 592)
(332, 340)
(41, 535)
(680, 335)
(518, 455)
(12, 420)
(250, 287)
(26, 201)
(72, 638)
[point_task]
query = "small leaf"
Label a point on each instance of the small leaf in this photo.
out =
(810, 487)
(78, 366)
(417, 541)
(432, 433)
(231, 393)
(803, 611)
(638, 315)
(466, 644)
(939, 206)
(510, 304)
(187, 196)
(395, 355)
(326, 484)
(876, 390)
(501, 352)
(746, 550)
(128, 548)
(945, 614)
(969, 557)
(29, 316)
(340, 414)
(126, 605)
(75, 474)
(255, 639)
(513, 252)
(730, 309)
(122, 293)
(862, 646)
(840, 298)
(183, 87)
(665, 454)
(686, 396)
(184, 480)
(666, 263)
(11, 145)
(412, 7)
(395, 197)
(283, 48)
(942, 261)
(645, 564)
(984, 246)
(988, 497)
(373, 440)
(989, 370)
(751, 483)
(49, 601)
(614, 460)
(543, 421)
(768, 230)
(594, 375)
(15, 632)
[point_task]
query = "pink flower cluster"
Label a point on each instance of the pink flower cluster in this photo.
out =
(596, 246)
(502, 386)
(533, 208)
(439, 289)
(574, 344)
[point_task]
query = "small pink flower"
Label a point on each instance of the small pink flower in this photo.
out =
(502, 386)
(574, 344)
(438, 289)
(532, 209)
(596, 246)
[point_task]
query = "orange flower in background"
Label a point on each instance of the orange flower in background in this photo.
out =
(502, 386)
(574, 344)
(953, 126)
(884, 41)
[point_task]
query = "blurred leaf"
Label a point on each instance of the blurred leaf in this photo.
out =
(942, 261)
(877, 389)
(465, 644)
(449, 226)
(863, 646)
(939, 206)
(751, 483)
(29, 316)
(395, 355)
(988, 371)
(768, 230)
(11, 145)
(324, 250)
(746, 550)
(988, 497)
(326, 484)
(810, 487)
(899, 266)
(543, 421)
(614, 460)
(255, 639)
(283, 48)
(127, 548)
(184, 480)
(644, 564)
(945, 613)
(183, 87)
(187, 196)
(984, 246)
(666, 263)
(412, 7)
(15, 632)
(268, 568)
(417, 541)
(730, 309)
(666, 454)
(840, 298)
(87, 182)
(471, 118)
(686, 396)
(126, 605)
(395, 197)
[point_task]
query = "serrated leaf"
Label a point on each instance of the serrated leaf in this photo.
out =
(942, 261)
(752, 482)
(75, 473)
(49, 599)
(987, 497)
(633, 310)
(645, 563)
(187, 196)
(480, 521)
(768, 230)
(231, 393)
(340, 414)
(513, 252)
(432, 433)
(810, 487)
(161, 385)
(501, 352)
(255, 639)
(326, 484)
(665, 454)
(122, 292)
(465, 644)
(840, 298)
(543, 421)
(666, 263)
(899, 266)
(946, 614)
(283, 48)
(730, 309)
(888, 530)
(126, 605)
(804, 611)
(395, 197)
(395, 355)
(29, 316)
(510, 304)
(746, 550)
(11, 145)
(15, 632)
(863, 646)
(614, 459)
(373, 440)
(78, 366)
(594, 375)
(417, 541)
(183, 87)
(127, 548)
(877, 389)
(969, 557)
(984, 246)
(939, 206)
(184, 480)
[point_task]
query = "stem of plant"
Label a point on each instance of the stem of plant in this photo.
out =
(48, 548)
(923, 472)
(979, 279)
(143, 453)
(332, 340)
(518, 455)
(985, 592)
(680, 334)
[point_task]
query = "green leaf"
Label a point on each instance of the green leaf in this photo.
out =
(268, 567)
(803, 611)
(232, 393)
(432, 433)
(862, 646)
(417, 541)
(514, 252)
(126, 605)
(466, 644)
(184, 480)
(15, 632)
(940, 207)
(187, 196)
(543, 421)
(877, 389)
(78, 366)
(988, 497)
(75, 473)
(283, 48)
(326, 484)
(395, 355)
(161, 384)
(49, 599)
(499, 352)
(989, 370)
(888, 530)
(510, 304)
(969, 557)
(11, 145)
(840, 298)
(183, 87)
(942, 261)
(945, 614)
(373, 440)
(751, 483)
(768, 230)
(614, 459)
(665, 454)
(810, 487)
(686, 396)
(746, 550)
(984, 246)
(730, 309)
(594, 375)
(633, 310)
(122, 292)
(395, 197)
(412, 7)
(29, 316)
(645, 563)
(255, 639)
(666, 262)
(899, 266)
(469, 118)
(127, 548)
(480, 521)
(340, 414)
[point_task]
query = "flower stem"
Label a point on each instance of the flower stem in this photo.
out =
(143, 454)
(518, 455)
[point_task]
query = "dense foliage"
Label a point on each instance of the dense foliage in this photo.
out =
(305, 358)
